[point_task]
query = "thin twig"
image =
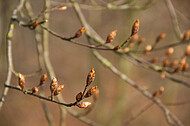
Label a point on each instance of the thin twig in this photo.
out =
(9, 50)
(174, 18)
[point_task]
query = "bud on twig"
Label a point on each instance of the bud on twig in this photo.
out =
(62, 8)
(187, 51)
(135, 28)
(58, 90)
(141, 41)
(160, 37)
(96, 94)
(173, 64)
(165, 63)
(116, 48)
(186, 36)
(170, 51)
(147, 49)
(53, 84)
(34, 90)
(80, 32)
(134, 38)
(154, 60)
(90, 92)
(21, 80)
(158, 92)
(185, 67)
(84, 104)
(43, 79)
(79, 96)
(90, 77)
(111, 36)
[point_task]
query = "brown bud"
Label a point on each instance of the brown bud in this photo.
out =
(186, 36)
(34, 25)
(160, 37)
(126, 50)
(90, 77)
(58, 90)
(179, 68)
(62, 8)
(165, 63)
(111, 36)
(155, 93)
(135, 28)
(80, 32)
(163, 75)
(53, 84)
(21, 80)
(84, 104)
(187, 51)
(185, 67)
(170, 51)
(116, 48)
(34, 90)
(43, 79)
(141, 41)
(131, 45)
(148, 48)
(173, 64)
(183, 60)
(158, 92)
(79, 96)
(154, 60)
(90, 92)
(96, 94)
(134, 38)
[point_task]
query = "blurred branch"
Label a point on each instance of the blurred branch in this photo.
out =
(174, 18)
(9, 50)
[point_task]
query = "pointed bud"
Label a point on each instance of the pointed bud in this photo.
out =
(43, 79)
(142, 40)
(116, 48)
(165, 63)
(160, 37)
(96, 94)
(53, 84)
(183, 60)
(62, 8)
(90, 77)
(187, 51)
(90, 92)
(58, 90)
(185, 67)
(179, 68)
(154, 60)
(111, 36)
(79, 96)
(135, 28)
(21, 80)
(186, 36)
(84, 104)
(34, 90)
(80, 32)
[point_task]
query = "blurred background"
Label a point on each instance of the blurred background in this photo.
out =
(118, 101)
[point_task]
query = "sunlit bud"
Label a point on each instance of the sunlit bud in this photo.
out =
(135, 28)
(111, 36)
(84, 104)
(173, 64)
(80, 32)
(79, 96)
(183, 61)
(53, 84)
(63, 8)
(134, 38)
(58, 89)
(21, 80)
(158, 92)
(163, 75)
(34, 25)
(160, 37)
(96, 94)
(142, 40)
(170, 51)
(90, 92)
(187, 51)
(165, 63)
(43, 79)
(179, 68)
(90, 77)
(161, 89)
(154, 60)
(185, 67)
(148, 48)
(186, 35)
(126, 50)
(34, 90)
(116, 48)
